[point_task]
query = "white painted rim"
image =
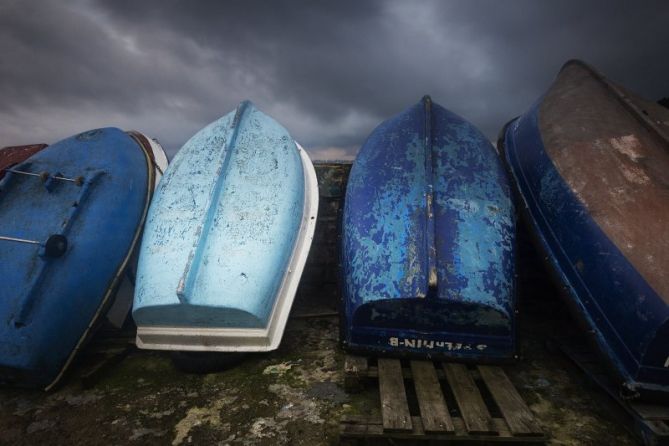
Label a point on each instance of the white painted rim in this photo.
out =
(159, 157)
(122, 303)
(249, 340)
(134, 246)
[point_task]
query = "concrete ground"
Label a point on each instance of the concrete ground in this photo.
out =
(292, 396)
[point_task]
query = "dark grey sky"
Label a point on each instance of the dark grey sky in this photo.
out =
(328, 71)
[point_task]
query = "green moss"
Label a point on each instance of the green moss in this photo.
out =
(144, 370)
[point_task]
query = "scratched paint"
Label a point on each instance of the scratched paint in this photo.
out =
(47, 304)
(225, 216)
(427, 181)
(596, 197)
(475, 217)
(388, 244)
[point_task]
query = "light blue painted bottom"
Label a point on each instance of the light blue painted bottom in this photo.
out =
(222, 231)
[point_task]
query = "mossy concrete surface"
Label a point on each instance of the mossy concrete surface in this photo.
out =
(292, 396)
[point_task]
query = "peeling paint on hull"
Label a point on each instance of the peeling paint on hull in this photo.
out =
(226, 238)
(428, 242)
(590, 163)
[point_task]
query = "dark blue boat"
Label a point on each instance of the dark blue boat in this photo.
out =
(71, 217)
(591, 165)
(428, 242)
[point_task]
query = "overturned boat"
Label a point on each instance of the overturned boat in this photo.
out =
(12, 155)
(591, 164)
(428, 242)
(226, 239)
(117, 315)
(71, 216)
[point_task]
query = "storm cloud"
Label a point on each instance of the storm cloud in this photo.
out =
(328, 71)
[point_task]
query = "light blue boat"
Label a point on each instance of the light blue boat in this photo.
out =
(226, 239)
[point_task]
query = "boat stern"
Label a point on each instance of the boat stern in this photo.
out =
(436, 329)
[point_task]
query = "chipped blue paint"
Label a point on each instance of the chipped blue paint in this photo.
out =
(222, 227)
(428, 241)
(627, 318)
(47, 304)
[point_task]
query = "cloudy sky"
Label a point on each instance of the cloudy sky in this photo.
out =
(328, 71)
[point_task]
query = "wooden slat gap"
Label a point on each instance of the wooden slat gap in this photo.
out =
(514, 410)
(469, 400)
(433, 409)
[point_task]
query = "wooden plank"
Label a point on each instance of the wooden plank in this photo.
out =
(510, 403)
(460, 428)
(355, 369)
(362, 426)
(394, 405)
(370, 430)
(502, 428)
(433, 409)
(360, 368)
(356, 365)
(436, 425)
(470, 402)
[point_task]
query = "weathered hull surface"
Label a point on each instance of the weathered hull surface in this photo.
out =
(591, 164)
(428, 242)
(156, 153)
(91, 190)
(226, 239)
(10, 156)
(122, 302)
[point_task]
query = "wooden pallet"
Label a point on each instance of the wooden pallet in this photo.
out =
(648, 421)
(442, 403)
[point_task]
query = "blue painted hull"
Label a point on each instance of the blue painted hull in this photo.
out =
(226, 239)
(428, 242)
(592, 182)
(48, 301)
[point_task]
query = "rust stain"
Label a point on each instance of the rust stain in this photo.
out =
(9, 156)
(617, 168)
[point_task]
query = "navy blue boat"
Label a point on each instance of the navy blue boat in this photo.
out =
(71, 217)
(428, 242)
(590, 161)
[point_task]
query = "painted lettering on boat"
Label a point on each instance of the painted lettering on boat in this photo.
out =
(430, 344)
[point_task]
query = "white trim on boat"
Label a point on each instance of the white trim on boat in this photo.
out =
(122, 301)
(245, 339)
(159, 157)
(119, 272)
